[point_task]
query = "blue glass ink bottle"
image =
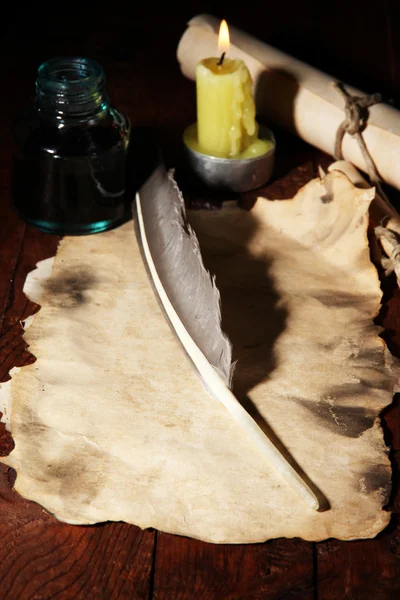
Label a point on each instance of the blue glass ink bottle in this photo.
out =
(70, 152)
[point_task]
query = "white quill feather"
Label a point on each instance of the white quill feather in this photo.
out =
(190, 300)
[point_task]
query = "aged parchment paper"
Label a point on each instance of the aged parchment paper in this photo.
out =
(111, 422)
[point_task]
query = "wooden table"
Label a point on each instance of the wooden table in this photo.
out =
(41, 558)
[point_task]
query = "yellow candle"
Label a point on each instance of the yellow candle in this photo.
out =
(226, 123)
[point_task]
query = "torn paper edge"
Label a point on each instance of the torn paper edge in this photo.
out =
(33, 290)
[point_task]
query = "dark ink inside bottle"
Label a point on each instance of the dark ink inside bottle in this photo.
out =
(70, 151)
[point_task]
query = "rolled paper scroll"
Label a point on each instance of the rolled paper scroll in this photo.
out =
(298, 96)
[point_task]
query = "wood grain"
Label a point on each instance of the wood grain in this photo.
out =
(276, 569)
(42, 559)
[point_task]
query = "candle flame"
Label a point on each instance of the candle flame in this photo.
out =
(223, 37)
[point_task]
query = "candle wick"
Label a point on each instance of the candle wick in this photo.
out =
(221, 60)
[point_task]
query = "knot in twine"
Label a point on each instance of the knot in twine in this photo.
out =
(356, 120)
(356, 111)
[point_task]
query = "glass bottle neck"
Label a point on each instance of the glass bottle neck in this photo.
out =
(71, 90)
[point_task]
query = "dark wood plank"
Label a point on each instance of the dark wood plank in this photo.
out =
(362, 569)
(41, 558)
(12, 232)
(186, 569)
(35, 246)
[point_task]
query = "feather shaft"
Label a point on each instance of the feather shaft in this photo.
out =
(213, 381)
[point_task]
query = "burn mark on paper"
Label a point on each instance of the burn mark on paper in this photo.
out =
(348, 421)
(76, 475)
(327, 198)
(79, 474)
(338, 299)
(69, 288)
(375, 478)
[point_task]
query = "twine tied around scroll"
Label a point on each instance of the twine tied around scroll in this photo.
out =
(356, 119)
(356, 111)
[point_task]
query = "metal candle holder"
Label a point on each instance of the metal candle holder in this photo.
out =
(234, 174)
